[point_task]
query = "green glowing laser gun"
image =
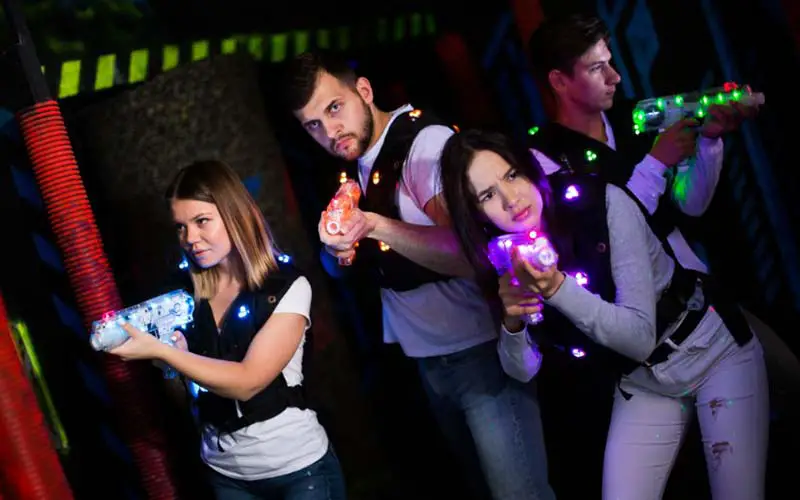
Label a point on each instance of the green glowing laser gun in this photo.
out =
(659, 113)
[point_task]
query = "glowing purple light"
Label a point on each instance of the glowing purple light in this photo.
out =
(581, 278)
(577, 352)
(572, 192)
(532, 246)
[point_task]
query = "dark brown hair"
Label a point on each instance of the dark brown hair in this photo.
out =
(302, 73)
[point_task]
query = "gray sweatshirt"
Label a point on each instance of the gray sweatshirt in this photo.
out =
(641, 270)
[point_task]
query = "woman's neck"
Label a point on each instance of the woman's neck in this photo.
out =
(230, 274)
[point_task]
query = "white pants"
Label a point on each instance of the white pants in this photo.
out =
(732, 404)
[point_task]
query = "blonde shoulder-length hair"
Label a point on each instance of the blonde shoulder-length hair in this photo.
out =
(214, 181)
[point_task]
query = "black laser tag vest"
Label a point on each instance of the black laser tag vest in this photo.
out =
(245, 317)
(580, 153)
(394, 271)
(582, 241)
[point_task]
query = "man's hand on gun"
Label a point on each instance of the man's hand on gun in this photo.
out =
(725, 118)
(676, 143)
(342, 225)
(353, 229)
(356, 227)
(680, 117)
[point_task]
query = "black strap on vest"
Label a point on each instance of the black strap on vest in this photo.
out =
(582, 242)
(244, 319)
(395, 272)
(581, 154)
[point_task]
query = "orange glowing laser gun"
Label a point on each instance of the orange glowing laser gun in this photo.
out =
(340, 209)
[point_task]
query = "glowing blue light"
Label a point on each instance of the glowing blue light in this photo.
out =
(196, 389)
(243, 311)
(184, 264)
(284, 258)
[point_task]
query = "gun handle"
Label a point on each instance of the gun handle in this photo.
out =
(165, 336)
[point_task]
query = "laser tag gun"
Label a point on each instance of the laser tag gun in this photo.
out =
(533, 247)
(659, 113)
(159, 316)
(340, 209)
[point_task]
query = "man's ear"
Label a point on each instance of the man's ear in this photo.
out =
(364, 89)
(558, 80)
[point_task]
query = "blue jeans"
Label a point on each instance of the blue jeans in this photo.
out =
(491, 420)
(322, 480)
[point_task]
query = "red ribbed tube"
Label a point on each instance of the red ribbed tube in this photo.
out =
(29, 466)
(92, 281)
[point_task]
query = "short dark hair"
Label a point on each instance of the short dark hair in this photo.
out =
(300, 79)
(471, 228)
(559, 42)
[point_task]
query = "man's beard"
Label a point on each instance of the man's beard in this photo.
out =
(362, 139)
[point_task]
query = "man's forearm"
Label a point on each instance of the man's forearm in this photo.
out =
(694, 186)
(434, 247)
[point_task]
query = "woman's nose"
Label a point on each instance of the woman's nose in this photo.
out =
(510, 198)
(192, 236)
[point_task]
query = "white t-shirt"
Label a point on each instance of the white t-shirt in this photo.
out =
(286, 443)
(436, 318)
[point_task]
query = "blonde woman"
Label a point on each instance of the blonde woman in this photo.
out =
(245, 349)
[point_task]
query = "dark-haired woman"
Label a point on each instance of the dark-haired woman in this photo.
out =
(676, 356)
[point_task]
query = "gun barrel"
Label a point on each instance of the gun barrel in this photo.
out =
(163, 313)
(659, 113)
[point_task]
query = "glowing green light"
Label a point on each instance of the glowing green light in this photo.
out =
(533, 130)
(679, 100)
(660, 103)
(590, 155)
(30, 362)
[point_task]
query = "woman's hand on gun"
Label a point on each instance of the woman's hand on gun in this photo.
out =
(140, 345)
(179, 341)
(544, 283)
(517, 302)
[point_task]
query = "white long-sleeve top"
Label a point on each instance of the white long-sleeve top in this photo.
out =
(692, 190)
